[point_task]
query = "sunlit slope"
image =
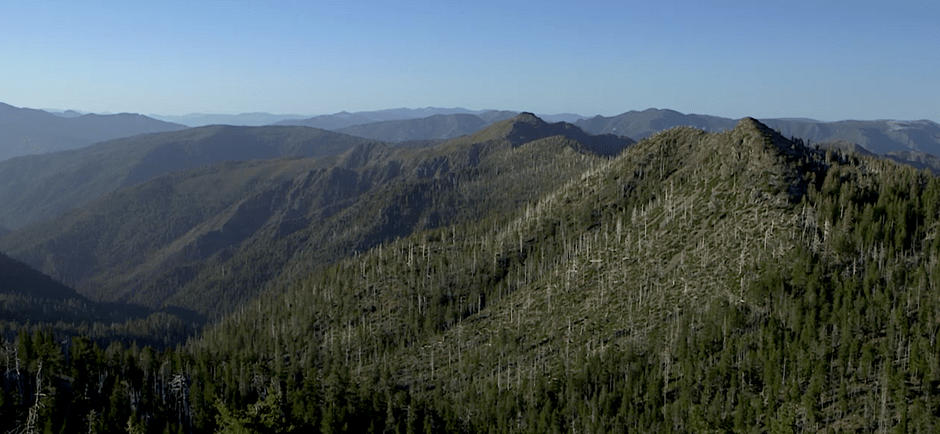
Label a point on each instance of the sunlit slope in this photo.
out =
(696, 282)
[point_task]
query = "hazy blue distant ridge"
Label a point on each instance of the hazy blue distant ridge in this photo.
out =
(26, 131)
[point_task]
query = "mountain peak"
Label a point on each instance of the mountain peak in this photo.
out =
(751, 123)
(528, 118)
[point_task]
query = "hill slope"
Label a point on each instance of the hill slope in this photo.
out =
(155, 245)
(698, 282)
(36, 188)
(27, 131)
(28, 297)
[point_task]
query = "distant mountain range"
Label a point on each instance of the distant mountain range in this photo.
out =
(344, 119)
(878, 136)
(436, 127)
(909, 142)
(26, 131)
(241, 119)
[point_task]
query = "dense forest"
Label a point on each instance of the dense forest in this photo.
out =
(695, 282)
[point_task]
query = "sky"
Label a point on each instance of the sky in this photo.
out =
(826, 60)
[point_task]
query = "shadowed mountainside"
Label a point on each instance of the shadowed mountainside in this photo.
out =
(30, 297)
(38, 187)
(209, 239)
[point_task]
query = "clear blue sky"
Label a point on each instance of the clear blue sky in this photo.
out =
(825, 60)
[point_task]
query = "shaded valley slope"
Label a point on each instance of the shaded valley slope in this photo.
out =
(37, 187)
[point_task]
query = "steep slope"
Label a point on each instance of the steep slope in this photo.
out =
(30, 297)
(127, 227)
(36, 188)
(27, 131)
(19, 278)
(155, 245)
(435, 127)
(698, 282)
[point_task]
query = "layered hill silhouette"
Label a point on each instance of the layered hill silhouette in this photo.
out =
(345, 119)
(879, 136)
(38, 187)
(639, 125)
(241, 119)
(26, 131)
(437, 127)
(341, 120)
(209, 239)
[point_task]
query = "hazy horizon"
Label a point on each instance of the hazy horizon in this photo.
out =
(832, 61)
(585, 116)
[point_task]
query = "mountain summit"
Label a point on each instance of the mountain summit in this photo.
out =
(527, 127)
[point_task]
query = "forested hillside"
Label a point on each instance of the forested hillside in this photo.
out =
(695, 282)
(208, 240)
(30, 300)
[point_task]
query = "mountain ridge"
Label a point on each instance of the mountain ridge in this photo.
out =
(877, 136)
(435, 127)
(734, 281)
(28, 131)
(389, 192)
(35, 188)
